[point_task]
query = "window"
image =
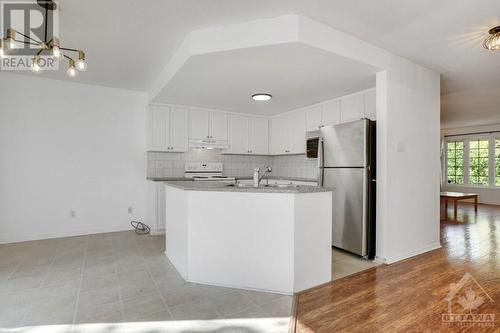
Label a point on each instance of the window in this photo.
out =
(497, 161)
(478, 161)
(455, 158)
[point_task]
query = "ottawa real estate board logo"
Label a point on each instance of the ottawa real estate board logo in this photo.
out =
(469, 305)
(28, 19)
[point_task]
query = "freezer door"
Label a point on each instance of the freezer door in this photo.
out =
(348, 208)
(345, 144)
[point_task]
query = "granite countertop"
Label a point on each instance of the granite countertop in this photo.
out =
(298, 179)
(167, 179)
(221, 187)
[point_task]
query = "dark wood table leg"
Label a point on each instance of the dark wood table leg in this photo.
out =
(446, 207)
(475, 204)
(455, 208)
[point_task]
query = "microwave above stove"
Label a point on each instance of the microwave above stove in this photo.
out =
(312, 145)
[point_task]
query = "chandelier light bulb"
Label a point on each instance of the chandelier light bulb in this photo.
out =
(81, 64)
(10, 40)
(56, 51)
(72, 72)
(35, 66)
(492, 42)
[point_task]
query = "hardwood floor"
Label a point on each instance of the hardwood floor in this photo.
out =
(409, 296)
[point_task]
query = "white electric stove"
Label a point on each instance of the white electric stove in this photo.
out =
(199, 171)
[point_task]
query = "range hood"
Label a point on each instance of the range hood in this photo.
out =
(208, 144)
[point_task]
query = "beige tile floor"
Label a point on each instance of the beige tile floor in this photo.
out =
(117, 278)
(345, 263)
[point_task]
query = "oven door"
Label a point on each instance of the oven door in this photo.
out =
(312, 147)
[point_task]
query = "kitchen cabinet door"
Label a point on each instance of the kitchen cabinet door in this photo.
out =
(259, 136)
(352, 108)
(218, 126)
(296, 133)
(370, 105)
(179, 129)
(238, 134)
(279, 135)
(314, 118)
(199, 124)
(158, 119)
(331, 113)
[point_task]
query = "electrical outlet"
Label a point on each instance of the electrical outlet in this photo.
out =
(72, 213)
(130, 210)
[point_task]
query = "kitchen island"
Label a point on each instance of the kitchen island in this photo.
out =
(268, 238)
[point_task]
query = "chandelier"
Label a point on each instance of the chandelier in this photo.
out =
(51, 47)
(492, 42)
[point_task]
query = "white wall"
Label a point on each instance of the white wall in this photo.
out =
(67, 146)
(489, 196)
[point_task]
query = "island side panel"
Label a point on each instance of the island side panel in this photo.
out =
(241, 240)
(313, 240)
(176, 226)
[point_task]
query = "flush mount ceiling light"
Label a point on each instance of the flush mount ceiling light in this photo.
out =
(261, 97)
(492, 42)
(50, 47)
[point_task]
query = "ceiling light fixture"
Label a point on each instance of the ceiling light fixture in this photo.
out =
(492, 42)
(50, 47)
(262, 97)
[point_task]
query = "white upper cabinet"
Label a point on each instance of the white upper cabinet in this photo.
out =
(238, 134)
(331, 113)
(199, 124)
(206, 124)
(370, 104)
(314, 118)
(352, 107)
(179, 118)
(218, 126)
(325, 114)
(167, 129)
(288, 134)
(297, 133)
(259, 136)
(248, 135)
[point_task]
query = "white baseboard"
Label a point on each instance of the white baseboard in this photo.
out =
(157, 232)
(409, 254)
(62, 233)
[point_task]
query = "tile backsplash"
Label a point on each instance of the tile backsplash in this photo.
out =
(172, 164)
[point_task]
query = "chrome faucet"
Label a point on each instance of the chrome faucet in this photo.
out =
(266, 172)
(257, 178)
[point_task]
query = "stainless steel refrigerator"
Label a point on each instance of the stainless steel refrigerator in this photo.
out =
(347, 162)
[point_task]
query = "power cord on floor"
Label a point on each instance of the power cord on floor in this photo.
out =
(140, 228)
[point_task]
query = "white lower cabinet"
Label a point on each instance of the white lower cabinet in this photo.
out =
(167, 128)
(156, 207)
(248, 135)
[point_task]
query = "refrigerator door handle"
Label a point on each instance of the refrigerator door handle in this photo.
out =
(321, 170)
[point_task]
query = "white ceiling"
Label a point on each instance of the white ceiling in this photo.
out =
(128, 42)
(295, 74)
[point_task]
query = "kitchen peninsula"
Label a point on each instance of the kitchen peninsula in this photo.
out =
(267, 238)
